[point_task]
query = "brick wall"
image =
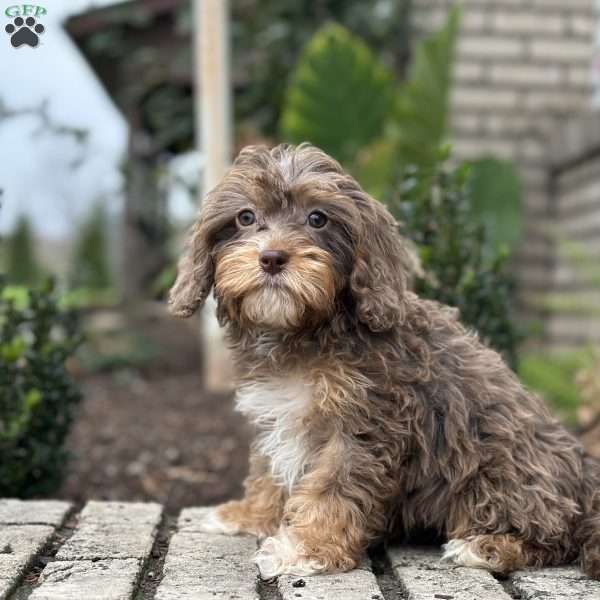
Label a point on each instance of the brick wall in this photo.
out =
(574, 171)
(523, 67)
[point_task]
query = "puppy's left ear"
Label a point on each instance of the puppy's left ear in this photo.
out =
(384, 264)
(194, 275)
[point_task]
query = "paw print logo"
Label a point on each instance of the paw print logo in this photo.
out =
(24, 31)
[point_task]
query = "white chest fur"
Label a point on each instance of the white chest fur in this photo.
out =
(277, 407)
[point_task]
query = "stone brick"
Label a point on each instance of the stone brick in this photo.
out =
(104, 557)
(484, 98)
(526, 75)
(562, 101)
(582, 25)
(466, 123)
(535, 250)
(578, 137)
(19, 545)
(535, 276)
(581, 76)
(32, 512)
(532, 150)
(579, 200)
(582, 226)
(88, 580)
(470, 148)
(113, 530)
(203, 566)
(537, 201)
(564, 327)
(474, 20)
(562, 50)
(469, 71)
(582, 7)
(359, 584)
(424, 577)
(505, 124)
(534, 178)
(533, 23)
(490, 47)
(123, 513)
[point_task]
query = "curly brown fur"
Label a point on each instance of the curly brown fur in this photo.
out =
(377, 411)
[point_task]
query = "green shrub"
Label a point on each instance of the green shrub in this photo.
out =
(555, 378)
(453, 250)
(90, 268)
(20, 264)
(37, 394)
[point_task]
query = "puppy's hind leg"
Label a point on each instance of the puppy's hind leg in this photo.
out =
(501, 553)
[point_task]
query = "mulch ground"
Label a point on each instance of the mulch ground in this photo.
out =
(156, 439)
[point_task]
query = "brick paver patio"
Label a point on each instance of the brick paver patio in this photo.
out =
(130, 551)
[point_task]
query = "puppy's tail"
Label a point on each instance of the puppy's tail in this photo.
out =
(588, 530)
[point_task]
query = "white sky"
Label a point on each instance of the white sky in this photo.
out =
(34, 170)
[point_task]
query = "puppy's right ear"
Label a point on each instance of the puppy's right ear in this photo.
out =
(194, 275)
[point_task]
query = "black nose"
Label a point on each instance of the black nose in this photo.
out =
(273, 261)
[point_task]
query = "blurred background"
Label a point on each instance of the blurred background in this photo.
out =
(474, 122)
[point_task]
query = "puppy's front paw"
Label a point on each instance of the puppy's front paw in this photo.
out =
(281, 554)
(211, 522)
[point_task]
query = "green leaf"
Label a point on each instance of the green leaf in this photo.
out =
(21, 264)
(32, 399)
(420, 117)
(374, 167)
(553, 376)
(495, 197)
(18, 295)
(339, 95)
(12, 350)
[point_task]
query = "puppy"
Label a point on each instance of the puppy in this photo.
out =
(377, 412)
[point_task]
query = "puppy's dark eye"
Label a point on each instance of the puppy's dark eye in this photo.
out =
(317, 219)
(246, 218)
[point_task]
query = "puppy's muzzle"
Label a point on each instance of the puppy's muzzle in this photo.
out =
(273, 261)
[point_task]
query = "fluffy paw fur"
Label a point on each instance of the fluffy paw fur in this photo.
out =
(282, 554)
(496, 553)
(211, 522)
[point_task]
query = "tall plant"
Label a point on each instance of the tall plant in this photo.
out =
(90, 266)
(20, 262)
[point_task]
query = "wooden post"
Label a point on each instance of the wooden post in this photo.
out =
(213, 135)
(214, 101)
